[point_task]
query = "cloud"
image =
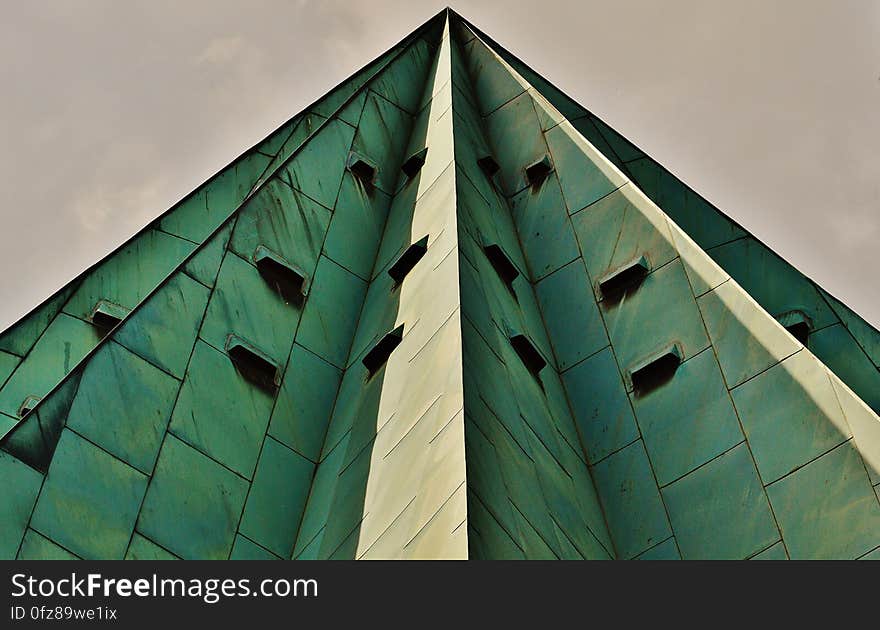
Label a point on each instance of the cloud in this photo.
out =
(101, 203)
(123, 190)
(220, 51)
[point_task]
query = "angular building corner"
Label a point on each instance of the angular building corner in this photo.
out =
(445, 312)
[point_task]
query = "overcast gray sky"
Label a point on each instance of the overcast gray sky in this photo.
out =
(111, 111)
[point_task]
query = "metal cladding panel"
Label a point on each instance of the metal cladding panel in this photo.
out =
(23, 483)
(51, 359)
(143, 549)
(88, 490)
(720, 511)
(193, 504)
(19, 338)
(35, 546)
(528, 341)
(119, 385)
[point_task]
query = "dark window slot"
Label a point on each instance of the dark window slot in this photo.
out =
(362, 168)
(528, 354)
(800, 331)
(488, 165)
(502, 264)
(627, 277)
(289, 281)
(797, 323)
(253, 364)
(656, 371)
(27, 405)
(378, 354)
(414, 163)
(407, 260)
(536, 173)
(107, 314)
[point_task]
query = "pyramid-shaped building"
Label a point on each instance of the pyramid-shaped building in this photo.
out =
(445, 312)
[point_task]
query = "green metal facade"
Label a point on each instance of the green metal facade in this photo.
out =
(446, 312)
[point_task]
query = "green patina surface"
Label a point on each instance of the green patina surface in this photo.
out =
(157, 439)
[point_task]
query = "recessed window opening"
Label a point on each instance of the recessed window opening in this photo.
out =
(407, 260)
(797, 323)
(107, 314)
(252, 363)
(414, 163)
(502, 264)
(379, 353)
(800, 331)
(656, 370)
(290, 282)
(27, 405)
(362, 168)
(537, 172)
(488, 165)
(528, 354)
(625, 278)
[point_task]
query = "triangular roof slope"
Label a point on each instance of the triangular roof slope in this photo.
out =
(44, 345)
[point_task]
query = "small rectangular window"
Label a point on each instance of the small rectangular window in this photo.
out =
(655, 371)
(408, 259)
(107, 314)
(797, 323)
(502, 264)
(290, 282)
(27, 405)
(623, 278)
(414, 163)
(379, 353)
(527, 352)
(488, 165)
(362, 167)
(252, 363)
(538, 171)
